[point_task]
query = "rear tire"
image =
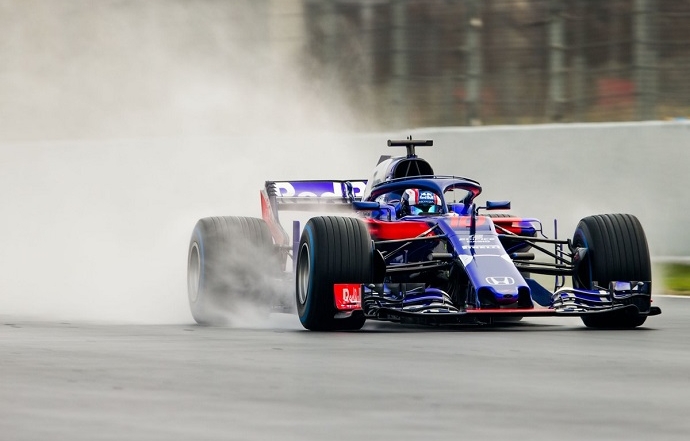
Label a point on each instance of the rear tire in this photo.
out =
(331, 250)
(230, 262)
(616, 251)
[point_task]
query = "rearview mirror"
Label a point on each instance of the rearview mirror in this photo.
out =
(497, 205)
(366, 205)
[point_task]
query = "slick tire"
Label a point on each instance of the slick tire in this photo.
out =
(331, 250)
(616, 250)
(228, 261)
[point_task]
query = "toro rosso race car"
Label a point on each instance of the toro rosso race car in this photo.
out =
(415, 247)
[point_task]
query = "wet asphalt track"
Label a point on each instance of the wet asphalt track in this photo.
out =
(540, 379)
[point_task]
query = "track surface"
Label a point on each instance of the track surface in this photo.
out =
(539, 379)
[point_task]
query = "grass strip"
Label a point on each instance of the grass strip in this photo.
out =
(676, 277)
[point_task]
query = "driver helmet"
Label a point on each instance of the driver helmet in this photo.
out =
(416, 202)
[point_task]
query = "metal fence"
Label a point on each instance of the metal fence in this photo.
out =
(464, 62)
(79, 68)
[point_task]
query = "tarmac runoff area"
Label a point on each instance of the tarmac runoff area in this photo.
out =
(540, 379)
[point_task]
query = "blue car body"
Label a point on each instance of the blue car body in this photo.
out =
(459, 265)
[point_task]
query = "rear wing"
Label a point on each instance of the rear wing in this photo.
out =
(310, 195)
(320, 196)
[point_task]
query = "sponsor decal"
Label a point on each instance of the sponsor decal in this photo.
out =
(348, 296)
(426, 197)
(318, 189)
(500, 281)
(481, 247)
(480, 242)
(478, 238)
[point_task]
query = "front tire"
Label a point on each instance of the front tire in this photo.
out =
(616, 251)
(229, 261)
(331, 250)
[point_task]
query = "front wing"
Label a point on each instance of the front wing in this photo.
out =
(488, 316)
(632, 298)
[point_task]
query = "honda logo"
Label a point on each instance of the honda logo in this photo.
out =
(500, 281)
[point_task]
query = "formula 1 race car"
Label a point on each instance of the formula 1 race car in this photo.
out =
(415, 248)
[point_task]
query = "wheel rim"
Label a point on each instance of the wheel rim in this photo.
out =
(584, 273)
(193, 273)
(303, 274)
